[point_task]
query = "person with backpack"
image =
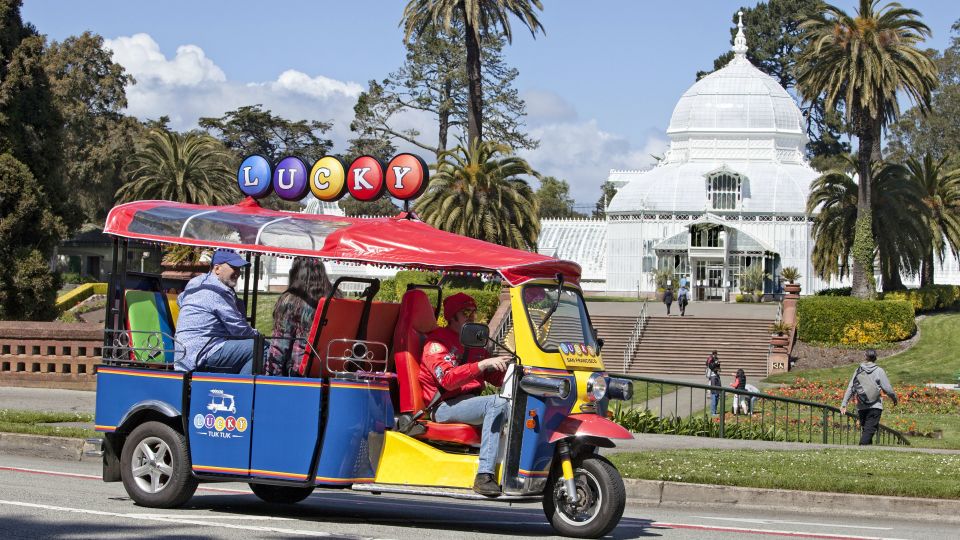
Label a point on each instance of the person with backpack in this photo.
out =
(867, 382)
(683, 298)
(740, 402)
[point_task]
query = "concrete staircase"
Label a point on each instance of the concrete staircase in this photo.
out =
(678, 346)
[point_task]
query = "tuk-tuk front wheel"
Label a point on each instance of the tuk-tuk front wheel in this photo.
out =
(600, 499)
(280, 494)
(155, 466)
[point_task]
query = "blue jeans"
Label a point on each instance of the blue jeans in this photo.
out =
(236, 356)
(488, 411)
(714, 400)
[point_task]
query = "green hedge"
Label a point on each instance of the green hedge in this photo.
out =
(930, 298)
(391, 290)
(839, 291)
(838, 320)
(80, 294)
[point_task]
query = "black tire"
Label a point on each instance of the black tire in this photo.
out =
(155, 466)
(601, 499)
(281, 494)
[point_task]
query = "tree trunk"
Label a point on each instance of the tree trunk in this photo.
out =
(862, 280)
(444, 115)
(891, 276)
(475, 86)
(926, 269)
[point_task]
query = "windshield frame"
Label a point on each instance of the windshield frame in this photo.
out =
(588, 338)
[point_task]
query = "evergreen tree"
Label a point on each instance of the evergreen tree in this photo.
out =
(29, 230)
(554, 199)
(433, 80)
(608, 190)
(251, 130)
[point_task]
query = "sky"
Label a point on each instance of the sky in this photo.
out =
(600, 84)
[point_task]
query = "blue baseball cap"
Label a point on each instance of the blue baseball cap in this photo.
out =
(225, 256)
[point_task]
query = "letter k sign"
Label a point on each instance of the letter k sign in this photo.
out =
(359, 182)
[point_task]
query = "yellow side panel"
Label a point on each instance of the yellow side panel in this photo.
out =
(406, 460)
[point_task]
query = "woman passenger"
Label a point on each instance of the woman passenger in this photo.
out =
(293, 316)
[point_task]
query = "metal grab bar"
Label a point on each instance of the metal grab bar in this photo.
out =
(635, 336)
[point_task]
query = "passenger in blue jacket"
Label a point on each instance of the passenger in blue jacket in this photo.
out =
(212, 317)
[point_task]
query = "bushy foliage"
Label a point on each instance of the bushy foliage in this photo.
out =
(931, 298)
(853, 321)
(837, 291)
(487, 298)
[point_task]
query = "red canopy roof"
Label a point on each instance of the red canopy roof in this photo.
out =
(396, 241)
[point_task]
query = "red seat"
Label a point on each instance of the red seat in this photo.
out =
(343, 319)
(415, 321)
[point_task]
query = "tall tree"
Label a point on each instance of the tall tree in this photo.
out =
(554, 200)
(252, 130)
(89, 92)
(380, 207)
(478, 17)
(901, 235)
(29, 231)
(478, 192)
(775, 42)
(433, 80)
(940, 189)
(937, 133)
(191, 168)
(607, 191)
(863, 61)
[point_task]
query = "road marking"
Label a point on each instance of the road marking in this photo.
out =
(179, 521)
(769, 532)
(766, 521)
(208, 516)
(96, 477)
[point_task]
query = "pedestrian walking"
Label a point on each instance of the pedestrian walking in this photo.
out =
(683, 298)
(715, 391)
(739, 401)
(867, 383)
(668, 298)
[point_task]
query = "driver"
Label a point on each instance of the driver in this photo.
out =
(459, 375)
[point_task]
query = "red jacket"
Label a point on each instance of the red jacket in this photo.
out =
(445, 366)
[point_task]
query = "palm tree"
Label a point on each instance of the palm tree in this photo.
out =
(476, 192)
(479, 17)
(940, 190)
(190, 168)
(863, 61)
(900, 235)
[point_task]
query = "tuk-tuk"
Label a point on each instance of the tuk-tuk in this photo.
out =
(353, 416)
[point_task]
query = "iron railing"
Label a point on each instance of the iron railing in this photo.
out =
(684, 408)
(635, 336)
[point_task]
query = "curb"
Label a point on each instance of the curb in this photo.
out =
(662, 493)
(45, 446)
(639, 492)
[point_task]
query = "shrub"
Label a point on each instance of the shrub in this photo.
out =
(928, 298)
(838, 291)
(853, 321)
(80, 294)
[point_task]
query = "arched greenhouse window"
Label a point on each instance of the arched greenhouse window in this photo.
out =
(724, 191)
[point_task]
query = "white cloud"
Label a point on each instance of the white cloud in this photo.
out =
(190, 85)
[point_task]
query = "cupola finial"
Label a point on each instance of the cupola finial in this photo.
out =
(740, 41)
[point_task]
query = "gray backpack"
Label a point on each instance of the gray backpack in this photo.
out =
(866, 387)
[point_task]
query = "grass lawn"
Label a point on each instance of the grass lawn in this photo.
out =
(265, 303)
(904, 474)
(932, 359)
(33, 422)
(949, 423)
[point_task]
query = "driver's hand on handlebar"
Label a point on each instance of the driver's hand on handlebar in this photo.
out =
(495, 363)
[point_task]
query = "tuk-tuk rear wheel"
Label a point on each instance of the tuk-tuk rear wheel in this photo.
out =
(280, 494)
(601, 499)
(155, 466)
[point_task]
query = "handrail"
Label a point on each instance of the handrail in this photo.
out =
(505, 325)
(635, 336)
(819, 415)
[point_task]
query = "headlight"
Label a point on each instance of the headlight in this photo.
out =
(620, 389)
(596, 387)
(545, 386)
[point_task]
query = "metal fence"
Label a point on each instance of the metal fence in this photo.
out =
(685, 408)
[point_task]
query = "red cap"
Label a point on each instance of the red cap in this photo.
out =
(454, 304)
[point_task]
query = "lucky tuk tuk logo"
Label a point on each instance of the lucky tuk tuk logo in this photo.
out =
(220, 421)
(404, 177)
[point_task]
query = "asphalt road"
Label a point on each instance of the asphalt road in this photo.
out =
(56, 499)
